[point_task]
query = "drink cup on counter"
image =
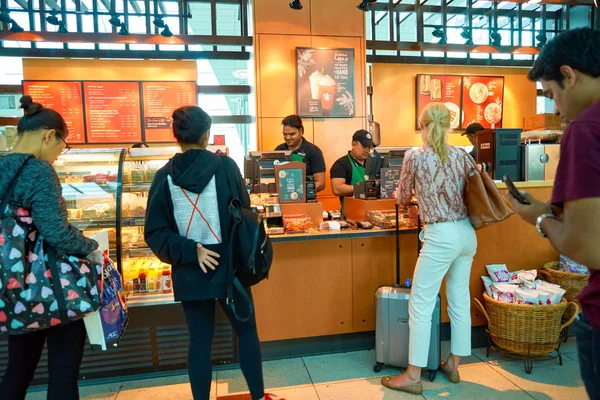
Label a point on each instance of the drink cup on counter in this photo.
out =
(327, 89)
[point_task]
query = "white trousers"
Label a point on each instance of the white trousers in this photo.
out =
(448, 250)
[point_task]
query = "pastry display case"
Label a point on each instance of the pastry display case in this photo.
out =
(107, 189)
(91, 187)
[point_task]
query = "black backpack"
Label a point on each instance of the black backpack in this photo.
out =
(251, 247)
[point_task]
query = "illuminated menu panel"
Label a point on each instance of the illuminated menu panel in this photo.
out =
(482, 101)
(63, 97)
(112, 112)
(160, 100)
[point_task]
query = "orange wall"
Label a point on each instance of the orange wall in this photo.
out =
(278, 31)
(394, 100)
(109, 70)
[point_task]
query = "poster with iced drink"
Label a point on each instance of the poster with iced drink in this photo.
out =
(325, 83)
(482, 101)
(445, 89)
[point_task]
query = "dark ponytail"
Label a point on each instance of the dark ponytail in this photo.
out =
(38, 117)
(190, 124)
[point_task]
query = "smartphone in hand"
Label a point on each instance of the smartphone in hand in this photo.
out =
(513, 190)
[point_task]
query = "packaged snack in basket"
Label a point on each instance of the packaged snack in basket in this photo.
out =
(503, 292)
(527, 278)
(487, 282)
(498, 272)
(568, 265)
(514, 276)
(556, 294)
(526, 296)
(543, 297)
(541, 284)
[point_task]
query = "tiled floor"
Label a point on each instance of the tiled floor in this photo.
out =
(349, 376)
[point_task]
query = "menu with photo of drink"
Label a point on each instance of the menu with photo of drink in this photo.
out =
(325, 83)
(444, 89)
(482, 101)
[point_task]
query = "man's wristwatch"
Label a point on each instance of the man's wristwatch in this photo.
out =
(540, 219)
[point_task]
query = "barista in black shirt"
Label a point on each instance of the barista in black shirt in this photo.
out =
(350, 169)
(470, 133)
(303, 150)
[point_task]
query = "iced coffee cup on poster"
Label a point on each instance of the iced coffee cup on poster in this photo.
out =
(314, 79)
(327, 89)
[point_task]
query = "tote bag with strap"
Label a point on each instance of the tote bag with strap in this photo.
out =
(485, 204)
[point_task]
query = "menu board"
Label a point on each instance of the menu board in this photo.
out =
(160, 100)
(64, 98)
(482, 101)
(325, 83)
(389, 182)
(112, 111)
(444, 89)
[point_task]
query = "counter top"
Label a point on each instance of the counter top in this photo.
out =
(343, 234)
(527, 184)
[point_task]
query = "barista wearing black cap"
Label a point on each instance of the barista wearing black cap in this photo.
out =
(470, 133)
(303, 150)
(350, 169)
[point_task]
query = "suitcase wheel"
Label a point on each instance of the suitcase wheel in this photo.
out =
(377, 367)
(432, 375)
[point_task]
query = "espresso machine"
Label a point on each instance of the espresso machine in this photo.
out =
(499, 152)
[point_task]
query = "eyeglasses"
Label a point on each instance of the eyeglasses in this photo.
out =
(67, 148)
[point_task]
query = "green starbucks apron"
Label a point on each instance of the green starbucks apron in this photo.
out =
(297, 157)
(358, 175)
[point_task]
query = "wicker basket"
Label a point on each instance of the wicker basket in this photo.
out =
(571, 282)
(527, 330)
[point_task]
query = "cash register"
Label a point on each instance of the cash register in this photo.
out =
(380, 158)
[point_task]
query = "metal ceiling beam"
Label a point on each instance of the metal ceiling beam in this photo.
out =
(135, 6)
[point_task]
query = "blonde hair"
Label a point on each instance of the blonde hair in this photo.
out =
(437, 117)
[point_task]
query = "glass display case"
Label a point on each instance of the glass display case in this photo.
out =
(107, 189)
(91, 187)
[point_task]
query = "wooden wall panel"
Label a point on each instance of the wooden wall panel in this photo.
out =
(309, 291)
(109, 70)
(337, 18)
(277, 73)
(276, 17)
(394, 98)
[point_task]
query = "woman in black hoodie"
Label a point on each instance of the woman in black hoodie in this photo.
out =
(187, 226)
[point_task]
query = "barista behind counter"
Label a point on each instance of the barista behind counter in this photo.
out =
(303, 150)
(350, 169)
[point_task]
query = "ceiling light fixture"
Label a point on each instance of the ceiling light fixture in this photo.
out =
(158, 21)
(541, 38)
(166, 32)
(123, 31)
(15, 28)
(115, 21)
(62, 28)
(5, 17)
(496, 38)
(467, 35)
(53, 19)
(364, 5)
(296, 5)
(438, 32)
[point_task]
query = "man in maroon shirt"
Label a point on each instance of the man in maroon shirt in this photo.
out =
(569, 69)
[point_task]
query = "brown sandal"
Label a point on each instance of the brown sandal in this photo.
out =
(452, 376)
(413, 389)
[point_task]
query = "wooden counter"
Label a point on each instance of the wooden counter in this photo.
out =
(324, 284)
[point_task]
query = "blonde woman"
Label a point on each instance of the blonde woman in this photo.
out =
(436, 174)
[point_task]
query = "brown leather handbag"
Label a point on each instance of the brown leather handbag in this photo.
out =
(485, 204)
